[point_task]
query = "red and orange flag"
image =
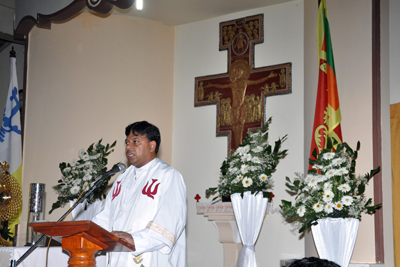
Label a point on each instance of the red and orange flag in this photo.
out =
(327, 110)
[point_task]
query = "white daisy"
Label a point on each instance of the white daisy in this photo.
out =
(76, 181)
(318, 207)
(256, 160)
(253, 168)
(347, 200)
(342, 171)
(239, 177)
(330, 173)
(344, 188)
(328, 186)
(313, 181)
(317, 167)
(246, 157)
(338, 205)
(301, 210)
(75, 189)
(329, 155)
(337, 161)
(67, 169)
(85, 157)
(328, 196)
(87, 177)
(328, 207)
(246, 149)
(244, 169)
(74, 162)
(263, 177)
(247, 182)
(322, 178)
(81, 153)
(308, 178)
(257, 149)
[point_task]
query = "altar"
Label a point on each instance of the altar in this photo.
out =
(57, 257)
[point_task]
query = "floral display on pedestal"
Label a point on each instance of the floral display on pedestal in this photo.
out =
(78, 176)
(329, 190)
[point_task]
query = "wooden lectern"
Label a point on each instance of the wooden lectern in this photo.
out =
(82, 239)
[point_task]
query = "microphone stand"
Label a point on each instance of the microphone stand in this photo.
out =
(15, 263)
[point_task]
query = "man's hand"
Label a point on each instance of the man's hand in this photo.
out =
(124, 236)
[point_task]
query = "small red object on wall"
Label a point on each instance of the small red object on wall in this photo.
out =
(197, 197)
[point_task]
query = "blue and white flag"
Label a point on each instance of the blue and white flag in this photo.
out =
(10, 135)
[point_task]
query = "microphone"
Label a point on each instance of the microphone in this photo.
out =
(120, 167)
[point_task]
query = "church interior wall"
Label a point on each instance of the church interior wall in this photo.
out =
(198, 153)
(88, 79)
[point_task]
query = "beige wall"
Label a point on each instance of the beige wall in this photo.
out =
(88, 78)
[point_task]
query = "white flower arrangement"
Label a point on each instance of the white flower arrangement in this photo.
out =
(77, 176)
(331, 189)
(250, 167)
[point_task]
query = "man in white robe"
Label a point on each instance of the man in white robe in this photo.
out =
(146, 206)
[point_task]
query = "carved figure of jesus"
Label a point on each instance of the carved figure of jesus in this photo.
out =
(239, 73)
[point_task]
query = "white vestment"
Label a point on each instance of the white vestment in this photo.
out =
(149, 203)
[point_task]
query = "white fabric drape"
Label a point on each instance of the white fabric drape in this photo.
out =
(335, 239)
(249, 213)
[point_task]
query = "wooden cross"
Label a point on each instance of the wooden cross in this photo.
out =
(240, 94)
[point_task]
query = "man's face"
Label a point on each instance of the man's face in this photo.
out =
(139, 150)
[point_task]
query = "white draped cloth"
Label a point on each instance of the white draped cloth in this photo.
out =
(249, 213)
(150, 204)
(335, 239)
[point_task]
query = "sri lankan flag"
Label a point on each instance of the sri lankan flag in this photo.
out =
(327, 111)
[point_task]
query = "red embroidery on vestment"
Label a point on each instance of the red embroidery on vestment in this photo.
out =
(147, 191)
(116, 190)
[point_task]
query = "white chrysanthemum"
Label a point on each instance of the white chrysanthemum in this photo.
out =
(301, 210)
(246, 157)
(257, 149)
(344, 188)
(328, 207)
(328, 196)
(240, 177)
(244, 169)
(322, 178)
(76, 181)
(327, 186)
(74, 162)
(347, 200)
(330, 173)
(308, 178)
(87, 177)
(246, 149)
(85, 157)
(81, 153)
(88, 164)
(338, 205)
(67, 169)
(341, 171)
(329, 155)
(318, 207)
(337, 161)
(256, 160)
(313, 182)
(263, 177)
(75, 190)
(247, 182)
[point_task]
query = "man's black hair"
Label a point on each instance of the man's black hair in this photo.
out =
(144, 128)
(311, 262)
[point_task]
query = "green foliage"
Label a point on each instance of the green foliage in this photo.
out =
(250, 167)
(331, 188)
(77, 175)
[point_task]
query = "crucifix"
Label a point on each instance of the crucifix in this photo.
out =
(240, 94)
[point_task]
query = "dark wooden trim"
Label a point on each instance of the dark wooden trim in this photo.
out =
(376, 127)
(24, 94)
(44, 21)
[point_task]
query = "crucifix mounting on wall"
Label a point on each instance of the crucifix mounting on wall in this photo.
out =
(240, 94)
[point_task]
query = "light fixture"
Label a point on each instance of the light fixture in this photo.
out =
(139, 4)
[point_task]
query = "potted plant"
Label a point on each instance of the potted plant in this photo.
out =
(330, 194)
(78, 176)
